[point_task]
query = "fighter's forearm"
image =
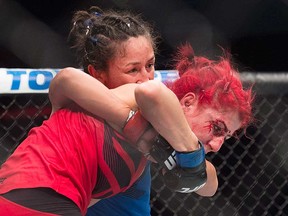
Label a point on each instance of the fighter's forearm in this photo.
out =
(73, 85)
(210, 188)
(162, 109)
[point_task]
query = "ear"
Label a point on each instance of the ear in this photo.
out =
(99, 75)
(188, 100)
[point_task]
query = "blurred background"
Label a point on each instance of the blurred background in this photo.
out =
(252, 170)
(34, 33)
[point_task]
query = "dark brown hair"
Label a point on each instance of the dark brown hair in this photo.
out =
(97, 35)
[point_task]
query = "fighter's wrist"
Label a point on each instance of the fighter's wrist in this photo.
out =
(130, 115)
(190, 145)
(135, 126)
(192, 158)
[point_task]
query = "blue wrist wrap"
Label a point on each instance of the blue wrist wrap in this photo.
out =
(185, 172)
(191, 159)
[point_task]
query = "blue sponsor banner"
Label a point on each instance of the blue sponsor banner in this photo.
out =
(166, 75)
(22, 81)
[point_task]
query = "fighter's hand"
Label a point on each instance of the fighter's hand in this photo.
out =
(140, 133)
(183, 172)
(146, 142)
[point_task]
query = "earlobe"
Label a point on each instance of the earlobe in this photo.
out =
(101, 76)
(92, 71)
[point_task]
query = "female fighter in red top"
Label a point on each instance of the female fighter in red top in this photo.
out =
(208, 97)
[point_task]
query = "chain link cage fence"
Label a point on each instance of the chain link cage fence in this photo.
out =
(252, 169)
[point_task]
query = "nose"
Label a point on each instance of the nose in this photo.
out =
(145, 75)
(216, 143)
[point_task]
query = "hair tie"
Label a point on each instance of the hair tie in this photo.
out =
(97, 14)
(88, 23)
(93, 39)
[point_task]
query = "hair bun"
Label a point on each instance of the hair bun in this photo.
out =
(184, 58)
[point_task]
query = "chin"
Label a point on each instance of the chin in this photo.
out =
(206, 149)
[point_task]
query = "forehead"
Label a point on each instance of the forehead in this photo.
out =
(134, 48)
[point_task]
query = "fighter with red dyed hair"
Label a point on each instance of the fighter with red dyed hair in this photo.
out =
(208, 98)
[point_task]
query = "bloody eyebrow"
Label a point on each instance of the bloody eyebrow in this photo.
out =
(225, 126)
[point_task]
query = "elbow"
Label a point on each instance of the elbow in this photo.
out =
(148, 91)
(58, 85)
(61, 77)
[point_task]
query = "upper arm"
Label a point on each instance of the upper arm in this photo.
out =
(71, 85)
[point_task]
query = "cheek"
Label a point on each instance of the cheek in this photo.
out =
(151, 75)
(142, 76)
(203, 133)
(115, 81)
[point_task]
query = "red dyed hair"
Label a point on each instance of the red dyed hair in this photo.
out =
(216, 83)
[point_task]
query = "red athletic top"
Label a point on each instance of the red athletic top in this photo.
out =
(76, 155)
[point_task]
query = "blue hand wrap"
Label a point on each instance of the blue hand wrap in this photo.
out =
(191, 159)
